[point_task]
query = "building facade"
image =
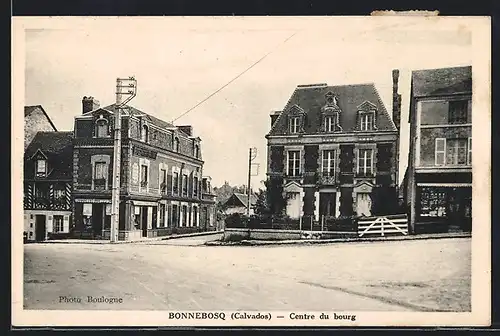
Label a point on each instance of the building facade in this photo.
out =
(238, 203)
(36, 120)
(48, 186)
(439, 188)
(162, 188)
(333, 151)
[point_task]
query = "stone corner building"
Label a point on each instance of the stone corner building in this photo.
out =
(439, 175)
(333, 151)
(162, 190)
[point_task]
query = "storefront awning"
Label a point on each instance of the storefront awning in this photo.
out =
(450, 185)
(92, 200)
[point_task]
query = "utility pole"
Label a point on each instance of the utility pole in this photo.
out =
(124, 87)
(252, 153)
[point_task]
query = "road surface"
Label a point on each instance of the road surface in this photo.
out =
(182, 274)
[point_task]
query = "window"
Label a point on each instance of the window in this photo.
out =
(367, 121)
(294, 125)
(144, 133)
(457, 113)
(144, 176)
(432, 202)
(100, 175)
(330, 123)
(365, 160)
(184, 215)
(329, 162)
(469, 153)
(41, 167)
(59, 200)
(162, 215)
(293, 163)
(196, 151)
(175, 183)
(58, 224)
(195, 216)
(456, 152)
(184, 185)
(102, 128)
(439, 152)
(195, 186)
(176, 145)
(163, 180)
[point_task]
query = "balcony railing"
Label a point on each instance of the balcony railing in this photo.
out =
(329, 178)
(100, 184)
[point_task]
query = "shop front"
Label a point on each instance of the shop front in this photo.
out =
(444, 207)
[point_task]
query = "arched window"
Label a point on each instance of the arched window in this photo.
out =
(102, 128)
(144, 133)
(176, 144)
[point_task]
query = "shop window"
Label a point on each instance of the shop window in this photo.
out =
(58, 224)
(433, 202)
(184, 215)
(162, 215)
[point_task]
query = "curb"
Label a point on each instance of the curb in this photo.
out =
(152, 240)
(338, 240)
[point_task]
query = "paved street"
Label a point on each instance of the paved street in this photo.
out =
(181, 274)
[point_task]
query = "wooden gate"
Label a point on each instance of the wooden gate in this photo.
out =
(382, 225)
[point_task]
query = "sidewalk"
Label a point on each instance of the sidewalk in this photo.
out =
(103, 241)
(343, 240)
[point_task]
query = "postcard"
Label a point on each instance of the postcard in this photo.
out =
(251, 171)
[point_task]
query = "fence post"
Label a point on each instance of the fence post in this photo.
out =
(382, 226)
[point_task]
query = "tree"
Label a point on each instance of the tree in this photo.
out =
(261, 204)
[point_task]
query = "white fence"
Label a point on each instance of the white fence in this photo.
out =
(394, 224)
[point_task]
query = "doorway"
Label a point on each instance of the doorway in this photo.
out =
(144, 221)
(40, 227)
(97, 218)
(327, 204)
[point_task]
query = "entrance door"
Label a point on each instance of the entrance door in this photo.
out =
(327, 203)
(175, 216)
(144, 221)
(97, 218)
(40, 228)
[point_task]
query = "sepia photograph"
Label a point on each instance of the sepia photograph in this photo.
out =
(230, 171)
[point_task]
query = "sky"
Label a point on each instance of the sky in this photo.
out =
(178, 62)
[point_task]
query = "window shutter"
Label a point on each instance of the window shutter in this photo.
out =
(469, 151)
(440, 152)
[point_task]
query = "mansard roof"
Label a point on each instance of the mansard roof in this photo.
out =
(312, 99)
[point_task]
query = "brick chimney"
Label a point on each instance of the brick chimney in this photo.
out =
(188, 129)
(89, 104)
(396, 100)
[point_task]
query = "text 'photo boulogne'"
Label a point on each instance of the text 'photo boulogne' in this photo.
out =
(249, 169)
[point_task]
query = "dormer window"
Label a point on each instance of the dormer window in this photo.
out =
(331, 123)
(102, 129)
(367, 120)
(176, 144)
(41, 168)
(294, 125)
(196, 151)
(367, 113)
(144, 133)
